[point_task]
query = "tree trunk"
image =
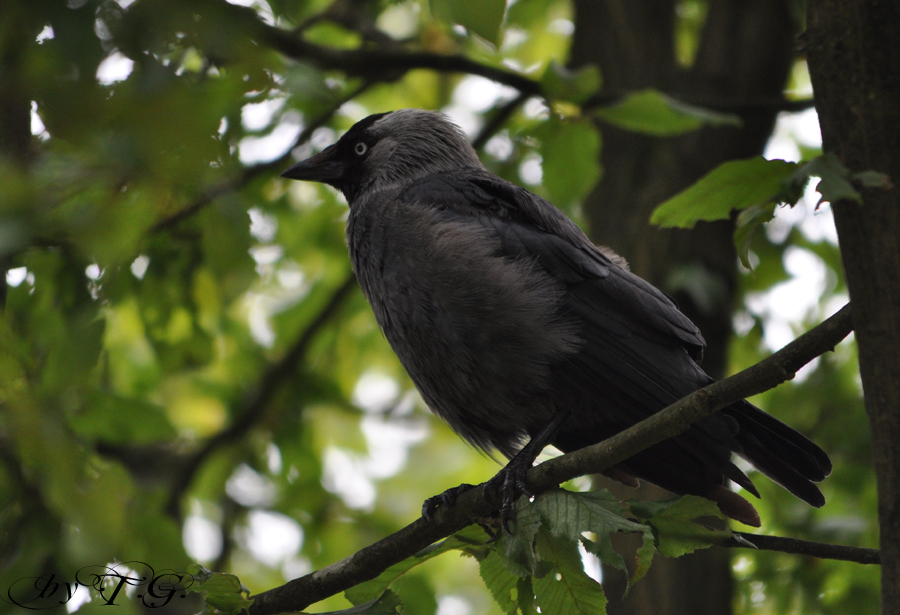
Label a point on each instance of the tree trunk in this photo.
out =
(853, 60)
(745, 54)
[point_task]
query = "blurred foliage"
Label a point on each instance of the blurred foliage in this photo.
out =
(179, 379)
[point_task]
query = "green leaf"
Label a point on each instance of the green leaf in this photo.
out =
(652, 112)
(224, 592)
(567, 588)
(747, 222)
(561, 83)
(483, 17)
(518, 547)
(387, 603)
(835, 179)
(837, 183)
(674, 527)
(110, 418)
(570, 150)
(734, 185)
(873, 179)
(525, 596)
(500, 581)
(568, 515)
(529, 14)
(643, 557)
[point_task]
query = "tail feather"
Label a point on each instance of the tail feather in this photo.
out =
(783, 454)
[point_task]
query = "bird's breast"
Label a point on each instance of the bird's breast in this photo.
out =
(476, 330)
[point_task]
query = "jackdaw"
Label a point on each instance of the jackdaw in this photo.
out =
(517, 330)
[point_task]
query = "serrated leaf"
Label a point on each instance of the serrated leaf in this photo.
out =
(684, 507)
(224, 592)
(472, 536)
(482, 17)
(734, 185)
(835, 178)
(643, 557)
(525, 596)
(518, 548)
(673, 523)
(567, 589)
(676, 538)
(837, 183)
(568, 515)
(652, 112)
(500, 582)
(561, 83)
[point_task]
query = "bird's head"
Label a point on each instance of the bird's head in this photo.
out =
(388, 150)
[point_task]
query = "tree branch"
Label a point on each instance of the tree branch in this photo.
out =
(390, 63)
(474, 504)
(255, 405)
(797, 546)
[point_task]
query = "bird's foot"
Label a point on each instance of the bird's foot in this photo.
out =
(508, 485)
(446, 499)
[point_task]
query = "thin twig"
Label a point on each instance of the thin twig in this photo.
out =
(498, 119)
(797, 546)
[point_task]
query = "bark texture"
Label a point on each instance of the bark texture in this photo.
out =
(853, 60)
(745, 53)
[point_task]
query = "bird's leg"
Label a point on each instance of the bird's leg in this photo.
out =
(511, 479)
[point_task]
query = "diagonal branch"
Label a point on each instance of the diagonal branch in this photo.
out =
(388, 63)
(256, 403)
(476, 503)
(674, 420)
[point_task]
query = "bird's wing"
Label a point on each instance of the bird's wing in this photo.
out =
(530, 227)
(637, 346)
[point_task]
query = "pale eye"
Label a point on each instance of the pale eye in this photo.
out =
(361, 148)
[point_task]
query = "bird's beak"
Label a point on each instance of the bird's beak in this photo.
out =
(323, 167)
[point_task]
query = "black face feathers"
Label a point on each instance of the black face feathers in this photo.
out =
(340, 165)
(515, 327)
(388, 150)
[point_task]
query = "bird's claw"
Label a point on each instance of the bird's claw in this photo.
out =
(508, 485)
(447, 499)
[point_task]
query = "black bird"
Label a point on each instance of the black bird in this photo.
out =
(517, 329)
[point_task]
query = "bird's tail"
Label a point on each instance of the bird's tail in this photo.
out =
(780, 452)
